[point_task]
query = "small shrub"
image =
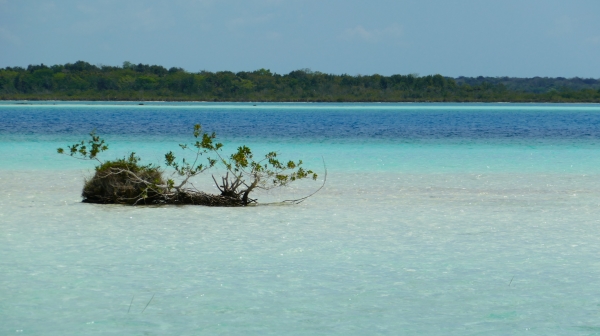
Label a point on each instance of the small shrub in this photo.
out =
(124, 181)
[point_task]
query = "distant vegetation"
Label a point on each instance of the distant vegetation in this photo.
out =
(141, 82)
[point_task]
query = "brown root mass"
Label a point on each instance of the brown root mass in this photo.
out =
(202, 198)
(122, 183)
(125, 182)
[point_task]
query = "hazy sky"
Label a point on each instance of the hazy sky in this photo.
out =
(521, 38)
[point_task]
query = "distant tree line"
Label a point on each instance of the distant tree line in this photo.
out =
(142, 82)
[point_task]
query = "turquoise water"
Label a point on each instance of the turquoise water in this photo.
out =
(435, 219)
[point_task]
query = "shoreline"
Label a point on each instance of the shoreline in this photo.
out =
(143, 102)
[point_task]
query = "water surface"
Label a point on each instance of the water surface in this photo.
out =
(435, 219)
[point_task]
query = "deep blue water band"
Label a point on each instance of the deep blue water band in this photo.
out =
(313, 122)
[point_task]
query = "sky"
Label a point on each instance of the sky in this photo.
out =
(517, 38)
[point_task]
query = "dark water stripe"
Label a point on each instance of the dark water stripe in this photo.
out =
(358, 124)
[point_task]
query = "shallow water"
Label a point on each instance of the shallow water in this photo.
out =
(435, 219)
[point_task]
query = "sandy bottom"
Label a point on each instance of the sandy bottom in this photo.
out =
(373, 253)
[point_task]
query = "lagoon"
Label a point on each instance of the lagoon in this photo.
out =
(435, 219)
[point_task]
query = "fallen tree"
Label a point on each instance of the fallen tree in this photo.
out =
(127, 181)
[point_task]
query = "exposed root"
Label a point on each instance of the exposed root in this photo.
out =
(201, 198)
(145, 187)
(124, 186)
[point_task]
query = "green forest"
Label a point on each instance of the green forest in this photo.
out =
(142, 82)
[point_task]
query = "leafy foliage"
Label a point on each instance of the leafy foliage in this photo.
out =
(88, 151)
(186, 169)
(267, 173)
(84, 81)
(127, 181)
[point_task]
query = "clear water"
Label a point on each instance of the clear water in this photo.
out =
(435, 219)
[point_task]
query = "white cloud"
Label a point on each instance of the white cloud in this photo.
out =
(248, 21)
(7, 36)
(359, 32)
(595, 40)
(562, 27)
(201, 2)
(87, 9)
(146, 19)
(273, 35)
(272, 2)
